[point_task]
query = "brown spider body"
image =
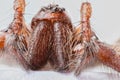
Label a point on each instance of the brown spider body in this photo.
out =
(53, 39)
(51, 31)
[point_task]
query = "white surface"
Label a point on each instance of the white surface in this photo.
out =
(9, 73)
(105, 21)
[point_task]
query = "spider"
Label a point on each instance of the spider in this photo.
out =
(52, 40)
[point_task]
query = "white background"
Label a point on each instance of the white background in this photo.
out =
(105, 17)
(105, 21)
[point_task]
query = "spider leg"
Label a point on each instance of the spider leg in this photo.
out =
(17, 34)
(108, 56)
(86, 39)
(2, 39)
(94, 47)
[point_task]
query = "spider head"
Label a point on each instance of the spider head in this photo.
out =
(51, 13)
(52, 8)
